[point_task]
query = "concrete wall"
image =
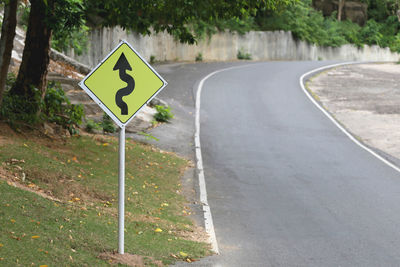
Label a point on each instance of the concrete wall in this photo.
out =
(276, 45)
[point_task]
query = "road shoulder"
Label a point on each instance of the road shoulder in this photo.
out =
(364, 99)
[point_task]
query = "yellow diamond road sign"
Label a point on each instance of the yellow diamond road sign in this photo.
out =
(122, 83)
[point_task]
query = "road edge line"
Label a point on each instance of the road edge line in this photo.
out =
(331, 118)
(208, 221)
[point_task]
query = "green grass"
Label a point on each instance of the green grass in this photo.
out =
(83, 174)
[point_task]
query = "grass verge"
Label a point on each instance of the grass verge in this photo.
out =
(81, 226)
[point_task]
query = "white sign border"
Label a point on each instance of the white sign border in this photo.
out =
(100, 103)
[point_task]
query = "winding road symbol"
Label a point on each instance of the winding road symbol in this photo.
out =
(123, 65)
(122, 94)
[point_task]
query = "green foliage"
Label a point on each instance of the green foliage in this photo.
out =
(201, 28)
(163, 114)
(370, 34)
(17, 108)
(199, 57)
(67, 21)
(23, 15)
(380, 10)
(77, 39)
(174, 17)
(55, 107)
(241, 55)
(58, 109)
(92, 126)
(68, 24)
(310, 25)
(108, 124)
(152, 59)
(238, 25)
(148, 136)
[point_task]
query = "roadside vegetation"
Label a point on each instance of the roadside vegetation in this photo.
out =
(70, 215)
(308, 24)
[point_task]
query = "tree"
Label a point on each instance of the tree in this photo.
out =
(45, 17)
(143, 16)
(6, 41)
(175, 17)
(340, 9)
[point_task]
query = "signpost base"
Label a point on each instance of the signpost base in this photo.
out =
(121, 191)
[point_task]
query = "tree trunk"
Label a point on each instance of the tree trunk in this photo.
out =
(36, 56)
(340, 10)
(6, 41)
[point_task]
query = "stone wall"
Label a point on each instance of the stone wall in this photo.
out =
(278, 45)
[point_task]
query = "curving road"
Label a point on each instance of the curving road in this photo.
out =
(286, 187)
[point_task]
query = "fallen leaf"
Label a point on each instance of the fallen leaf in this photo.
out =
(35, 236)
(43, 266)
(12, 220)
(158, 230)
(1, 245)
(75, 159)
(183, 254)
(105, 144)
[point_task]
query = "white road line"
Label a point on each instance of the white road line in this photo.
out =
(352, 138)
(209, 225)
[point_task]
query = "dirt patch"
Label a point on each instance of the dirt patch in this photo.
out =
(196, 233)
(65, 188)
(6, 134)
(13, 180)
(128, 259)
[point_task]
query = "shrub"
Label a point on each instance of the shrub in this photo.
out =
(199, 57)
(370, 33)
(163, 114)
(55, 107)
(58, 109)
(108, 124)
(242, 55)
(92, 126)
(152, 59)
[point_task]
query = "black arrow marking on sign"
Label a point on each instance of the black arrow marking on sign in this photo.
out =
(123, 65)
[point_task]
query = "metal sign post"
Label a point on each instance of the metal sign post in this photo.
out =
(121, 191)
(122, 84)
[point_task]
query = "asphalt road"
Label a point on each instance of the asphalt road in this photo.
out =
(286, 187)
